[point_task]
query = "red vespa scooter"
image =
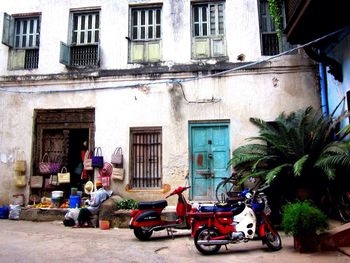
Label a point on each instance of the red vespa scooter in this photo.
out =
(147, 218)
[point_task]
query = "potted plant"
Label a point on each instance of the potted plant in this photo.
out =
(304, 221)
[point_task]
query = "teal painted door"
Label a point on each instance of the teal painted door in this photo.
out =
(210, 153)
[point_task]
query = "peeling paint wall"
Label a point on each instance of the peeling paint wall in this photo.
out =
(284, 84)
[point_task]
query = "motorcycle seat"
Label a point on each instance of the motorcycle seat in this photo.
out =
(153, 204)
(238, 209)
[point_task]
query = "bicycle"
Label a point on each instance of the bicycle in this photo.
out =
(228, 188)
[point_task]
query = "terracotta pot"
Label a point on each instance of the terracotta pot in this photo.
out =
(306, 243)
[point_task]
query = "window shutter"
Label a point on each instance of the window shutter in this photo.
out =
(17, 59)
(137, 51)
(154, 51)
(218, 47)
(8, 30)
(65, 54)
(201, 47)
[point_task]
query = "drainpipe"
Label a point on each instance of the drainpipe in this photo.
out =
(323, 86)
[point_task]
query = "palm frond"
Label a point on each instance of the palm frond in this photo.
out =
(273, 173)
(299, 165)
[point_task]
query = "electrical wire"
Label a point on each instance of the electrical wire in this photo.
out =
(175, 81)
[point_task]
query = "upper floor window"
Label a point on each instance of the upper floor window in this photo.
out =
(145, 34)
(22, 34)
(271, 44)
(83, 48)
(208, 30)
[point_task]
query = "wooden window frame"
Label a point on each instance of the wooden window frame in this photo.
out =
(208, 29)
(146, 158)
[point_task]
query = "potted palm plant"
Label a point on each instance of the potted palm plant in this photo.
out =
(295, 152)
(304, 221)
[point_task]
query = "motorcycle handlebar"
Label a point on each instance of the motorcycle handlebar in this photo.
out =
(178, 190)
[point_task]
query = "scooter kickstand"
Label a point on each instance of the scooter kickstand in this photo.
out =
(170, 232)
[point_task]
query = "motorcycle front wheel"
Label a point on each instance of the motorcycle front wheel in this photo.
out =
(142, 233)
(205, 234)
(272, 239)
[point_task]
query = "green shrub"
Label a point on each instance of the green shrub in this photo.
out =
(127, 204)
(302, 218)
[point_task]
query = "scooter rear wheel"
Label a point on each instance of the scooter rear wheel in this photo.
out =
(204, 234)
(142, 233)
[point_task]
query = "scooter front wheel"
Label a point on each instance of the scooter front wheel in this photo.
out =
(142, 233)
(272, 239)
(205, 234)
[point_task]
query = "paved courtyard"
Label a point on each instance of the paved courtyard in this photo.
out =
(26, 241)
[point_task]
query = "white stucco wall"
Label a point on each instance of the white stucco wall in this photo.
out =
(283, 84)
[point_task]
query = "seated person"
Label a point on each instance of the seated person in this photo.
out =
(93, 205)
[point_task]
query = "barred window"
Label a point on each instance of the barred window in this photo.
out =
(146, 157)
(21, 33)
(271, 44)
(145, 34)
(208, 30)
(83, 51)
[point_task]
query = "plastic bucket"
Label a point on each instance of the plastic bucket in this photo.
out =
(74, 201)
(57, 194)
(4, 212)
(104, 224)
(73, 191)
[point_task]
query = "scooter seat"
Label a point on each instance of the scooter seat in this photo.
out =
(237, 209)
(153, 204)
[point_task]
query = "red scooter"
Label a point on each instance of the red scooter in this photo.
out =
(147, 218)
(215, 226)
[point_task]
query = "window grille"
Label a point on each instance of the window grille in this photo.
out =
(146, 158)
(270, 44)
(84, 55)
(31, 59)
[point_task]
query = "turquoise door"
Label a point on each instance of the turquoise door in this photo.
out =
(209, 151)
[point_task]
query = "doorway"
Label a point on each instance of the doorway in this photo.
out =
(63, 134)
(210, 153)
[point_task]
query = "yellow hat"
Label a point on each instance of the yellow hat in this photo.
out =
(89, 187)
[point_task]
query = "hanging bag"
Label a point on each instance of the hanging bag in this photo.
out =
(117, 157)
(97, 159)
(44, 165)
(118, 174)
(55, 166)
(20, 180)
(88, 161)
(63, 176)
(54, 180)
(36, 181)
(20, 163)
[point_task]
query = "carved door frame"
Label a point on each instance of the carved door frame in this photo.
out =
(60, 119)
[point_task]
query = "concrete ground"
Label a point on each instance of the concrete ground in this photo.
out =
(26, 241)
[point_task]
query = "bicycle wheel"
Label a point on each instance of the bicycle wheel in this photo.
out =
(223, 190)
(344, 207)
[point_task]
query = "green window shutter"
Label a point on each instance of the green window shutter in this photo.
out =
(154, 53)
(218, 47)
(17, 59)
(65, 54)
(8, 30)
(201, 47)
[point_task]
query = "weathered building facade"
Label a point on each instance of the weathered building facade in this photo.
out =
(173, 83)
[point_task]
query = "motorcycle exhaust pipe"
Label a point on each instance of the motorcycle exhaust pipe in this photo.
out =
(213, 242)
